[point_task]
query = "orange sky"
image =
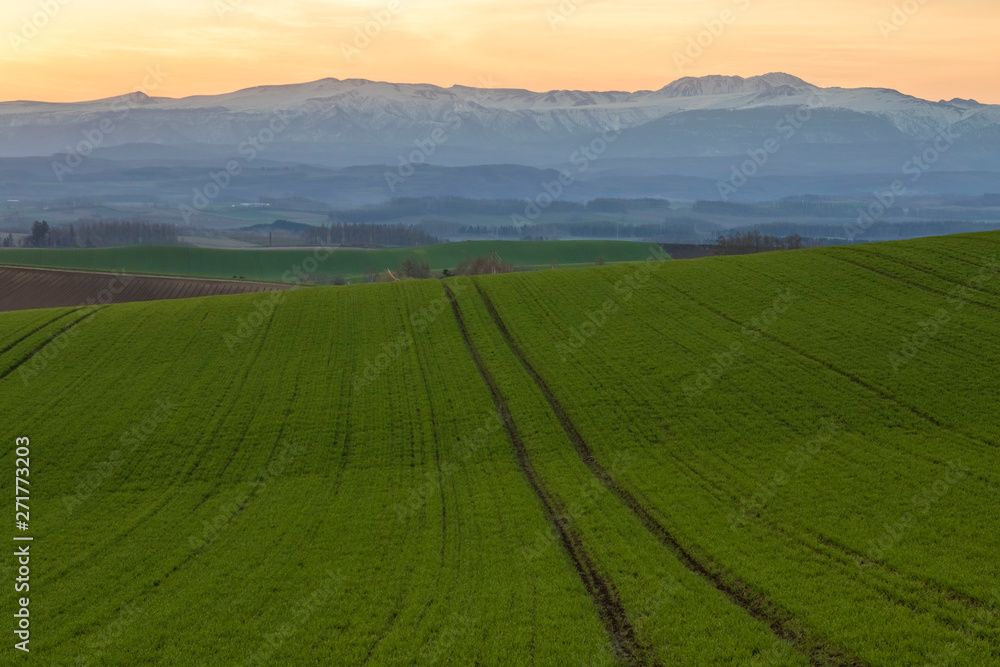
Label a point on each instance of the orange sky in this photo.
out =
(88, 49)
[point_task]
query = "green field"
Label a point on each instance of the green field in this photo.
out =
(779, 459)
(318, 265)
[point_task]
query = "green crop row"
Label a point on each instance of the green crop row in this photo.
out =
(778, 459)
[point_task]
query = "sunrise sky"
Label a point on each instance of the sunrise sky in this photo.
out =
(89, 49)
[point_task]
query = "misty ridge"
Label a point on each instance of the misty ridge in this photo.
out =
(871, 155)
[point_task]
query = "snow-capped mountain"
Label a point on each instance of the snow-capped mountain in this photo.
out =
(352, 121)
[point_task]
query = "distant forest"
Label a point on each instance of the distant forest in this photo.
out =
(740, 243)
(98, 234)
(672, 232)
(881, 230)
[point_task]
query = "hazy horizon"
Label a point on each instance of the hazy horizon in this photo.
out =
(418, 82)
(69, 52)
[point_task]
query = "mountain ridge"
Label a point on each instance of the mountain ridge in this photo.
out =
(351, 118)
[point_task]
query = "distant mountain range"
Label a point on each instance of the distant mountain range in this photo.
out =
(356, 121)
(680, 142)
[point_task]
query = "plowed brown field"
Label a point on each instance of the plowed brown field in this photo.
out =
(23, 289)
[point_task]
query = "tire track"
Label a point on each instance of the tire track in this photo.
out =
(917, 412)
(920, 269)
(782, 623)
(602, 591)
(968, 601)
(36, 330)
(46, 343)
(912, 283)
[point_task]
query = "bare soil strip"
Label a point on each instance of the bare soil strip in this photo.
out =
(602, 591)
(24, 288)
(782, 623)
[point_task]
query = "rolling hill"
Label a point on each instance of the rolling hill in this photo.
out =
(318, 264)
(778, 459)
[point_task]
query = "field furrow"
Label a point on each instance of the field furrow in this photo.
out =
(784, 625)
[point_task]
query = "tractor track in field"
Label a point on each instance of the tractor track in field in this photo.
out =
(950, 593)
(782, 623)
(51, 338)
(916, 285)
(969, 602)
(602, 591)
(920, 269)
(36, 330)
(927, 417)
(894, 585)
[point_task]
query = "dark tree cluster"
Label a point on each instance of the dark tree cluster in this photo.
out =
(746, 243)
(101, 234)
(483, 266)
(415, 268)
(506, 231)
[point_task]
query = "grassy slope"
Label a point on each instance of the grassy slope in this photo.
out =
(872, 522)
(272, 265)
(387, 532)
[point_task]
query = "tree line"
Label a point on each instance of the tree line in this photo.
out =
(99, 234)
(746, 243)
